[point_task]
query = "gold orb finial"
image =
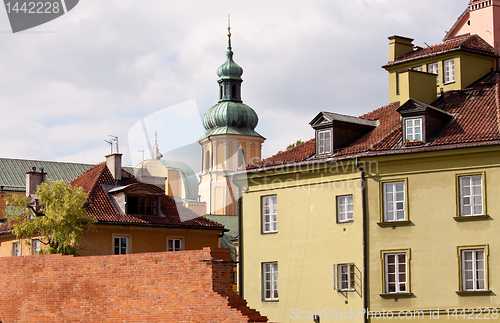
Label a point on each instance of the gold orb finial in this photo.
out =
(229, 25)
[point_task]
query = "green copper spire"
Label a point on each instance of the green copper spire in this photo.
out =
(229, 70)
(230, 115)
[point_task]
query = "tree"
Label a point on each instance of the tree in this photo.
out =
(56, 219)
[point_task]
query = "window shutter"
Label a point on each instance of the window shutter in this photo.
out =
(335, 278)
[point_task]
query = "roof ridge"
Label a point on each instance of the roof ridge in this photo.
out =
(85, 173)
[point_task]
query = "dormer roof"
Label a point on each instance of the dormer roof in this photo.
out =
(414, 107)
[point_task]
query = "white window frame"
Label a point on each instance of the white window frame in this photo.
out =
(418, 68)
(180, 246)
(344, 277)
(35, 246)
(16, 249)
(433, 68)
(474, 270)
(397, 272)
(324, 141)
(394, 201)
(270, 214)
(449, 71)
(270, 281)
(345, 208)
(416, 131)
(121, 248)
(471, 195)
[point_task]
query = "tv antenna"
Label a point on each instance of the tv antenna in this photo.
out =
(113, 140)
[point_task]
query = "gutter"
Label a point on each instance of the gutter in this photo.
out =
(401, 151)
(365, 239)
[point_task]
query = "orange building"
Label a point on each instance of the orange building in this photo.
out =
(132, 217)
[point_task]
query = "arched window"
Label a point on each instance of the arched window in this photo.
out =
(220, 92)
(241, 157)
(233, 92)
(207, 161)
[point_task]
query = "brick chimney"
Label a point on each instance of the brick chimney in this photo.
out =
(114, 163)
(33, 179)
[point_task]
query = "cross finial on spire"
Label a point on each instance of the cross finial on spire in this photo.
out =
(229, 31)
(156, 137)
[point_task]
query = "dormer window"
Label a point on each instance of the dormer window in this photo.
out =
(324, 142)
(335, 131)
(142, 205)
(137, 199)
(421, 122)
(413, 129)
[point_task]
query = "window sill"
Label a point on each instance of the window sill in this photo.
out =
(396, 295)
(270, 300)
(474, 292)
(265, 233)
(395, 224)
(449, 82)
(472, 218)
(343, 222)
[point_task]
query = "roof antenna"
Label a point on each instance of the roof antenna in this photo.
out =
(115, 139)
(110, 145)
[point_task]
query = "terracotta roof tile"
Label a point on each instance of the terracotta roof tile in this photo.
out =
(463, 42)
(476, 112)
(100, 207)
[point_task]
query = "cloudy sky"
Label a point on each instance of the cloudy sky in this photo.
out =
(130, 67)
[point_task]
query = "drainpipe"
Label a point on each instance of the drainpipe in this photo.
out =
(365, 239)
(239, 212)
(210, 172)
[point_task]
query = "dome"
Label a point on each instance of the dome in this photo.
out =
(229, 70)
(230, 114)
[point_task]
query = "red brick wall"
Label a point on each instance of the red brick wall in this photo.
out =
(187, 286)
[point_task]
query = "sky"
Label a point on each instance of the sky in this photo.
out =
(129, 68)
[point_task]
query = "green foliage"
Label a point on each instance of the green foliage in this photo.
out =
(58, 221)
(298, 142)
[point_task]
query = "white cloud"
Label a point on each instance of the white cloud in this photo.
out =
(106, 64)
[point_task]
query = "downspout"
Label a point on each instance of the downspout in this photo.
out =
(365, 239)
(239, 212)
(210, 167)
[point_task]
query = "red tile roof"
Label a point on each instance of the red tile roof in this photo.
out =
(100, 206)
(476, 111)
(463, 42)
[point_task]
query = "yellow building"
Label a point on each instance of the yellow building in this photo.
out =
(452, 65)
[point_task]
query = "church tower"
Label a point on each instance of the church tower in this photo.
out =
(229, 142)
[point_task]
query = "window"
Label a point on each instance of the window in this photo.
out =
(473, 270)
(270, 281)
(345, 210)
(433, 69)
(471, 195)
(241, 157)
(143, 205)
(396, 269)
(269, 214)
(345, 277)
(449, 71)
(35, 246)
(121, 245)
(174, 244)
(16, 248)
(413, 129)
(324, 142)
(418, 68)
(394, 201)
